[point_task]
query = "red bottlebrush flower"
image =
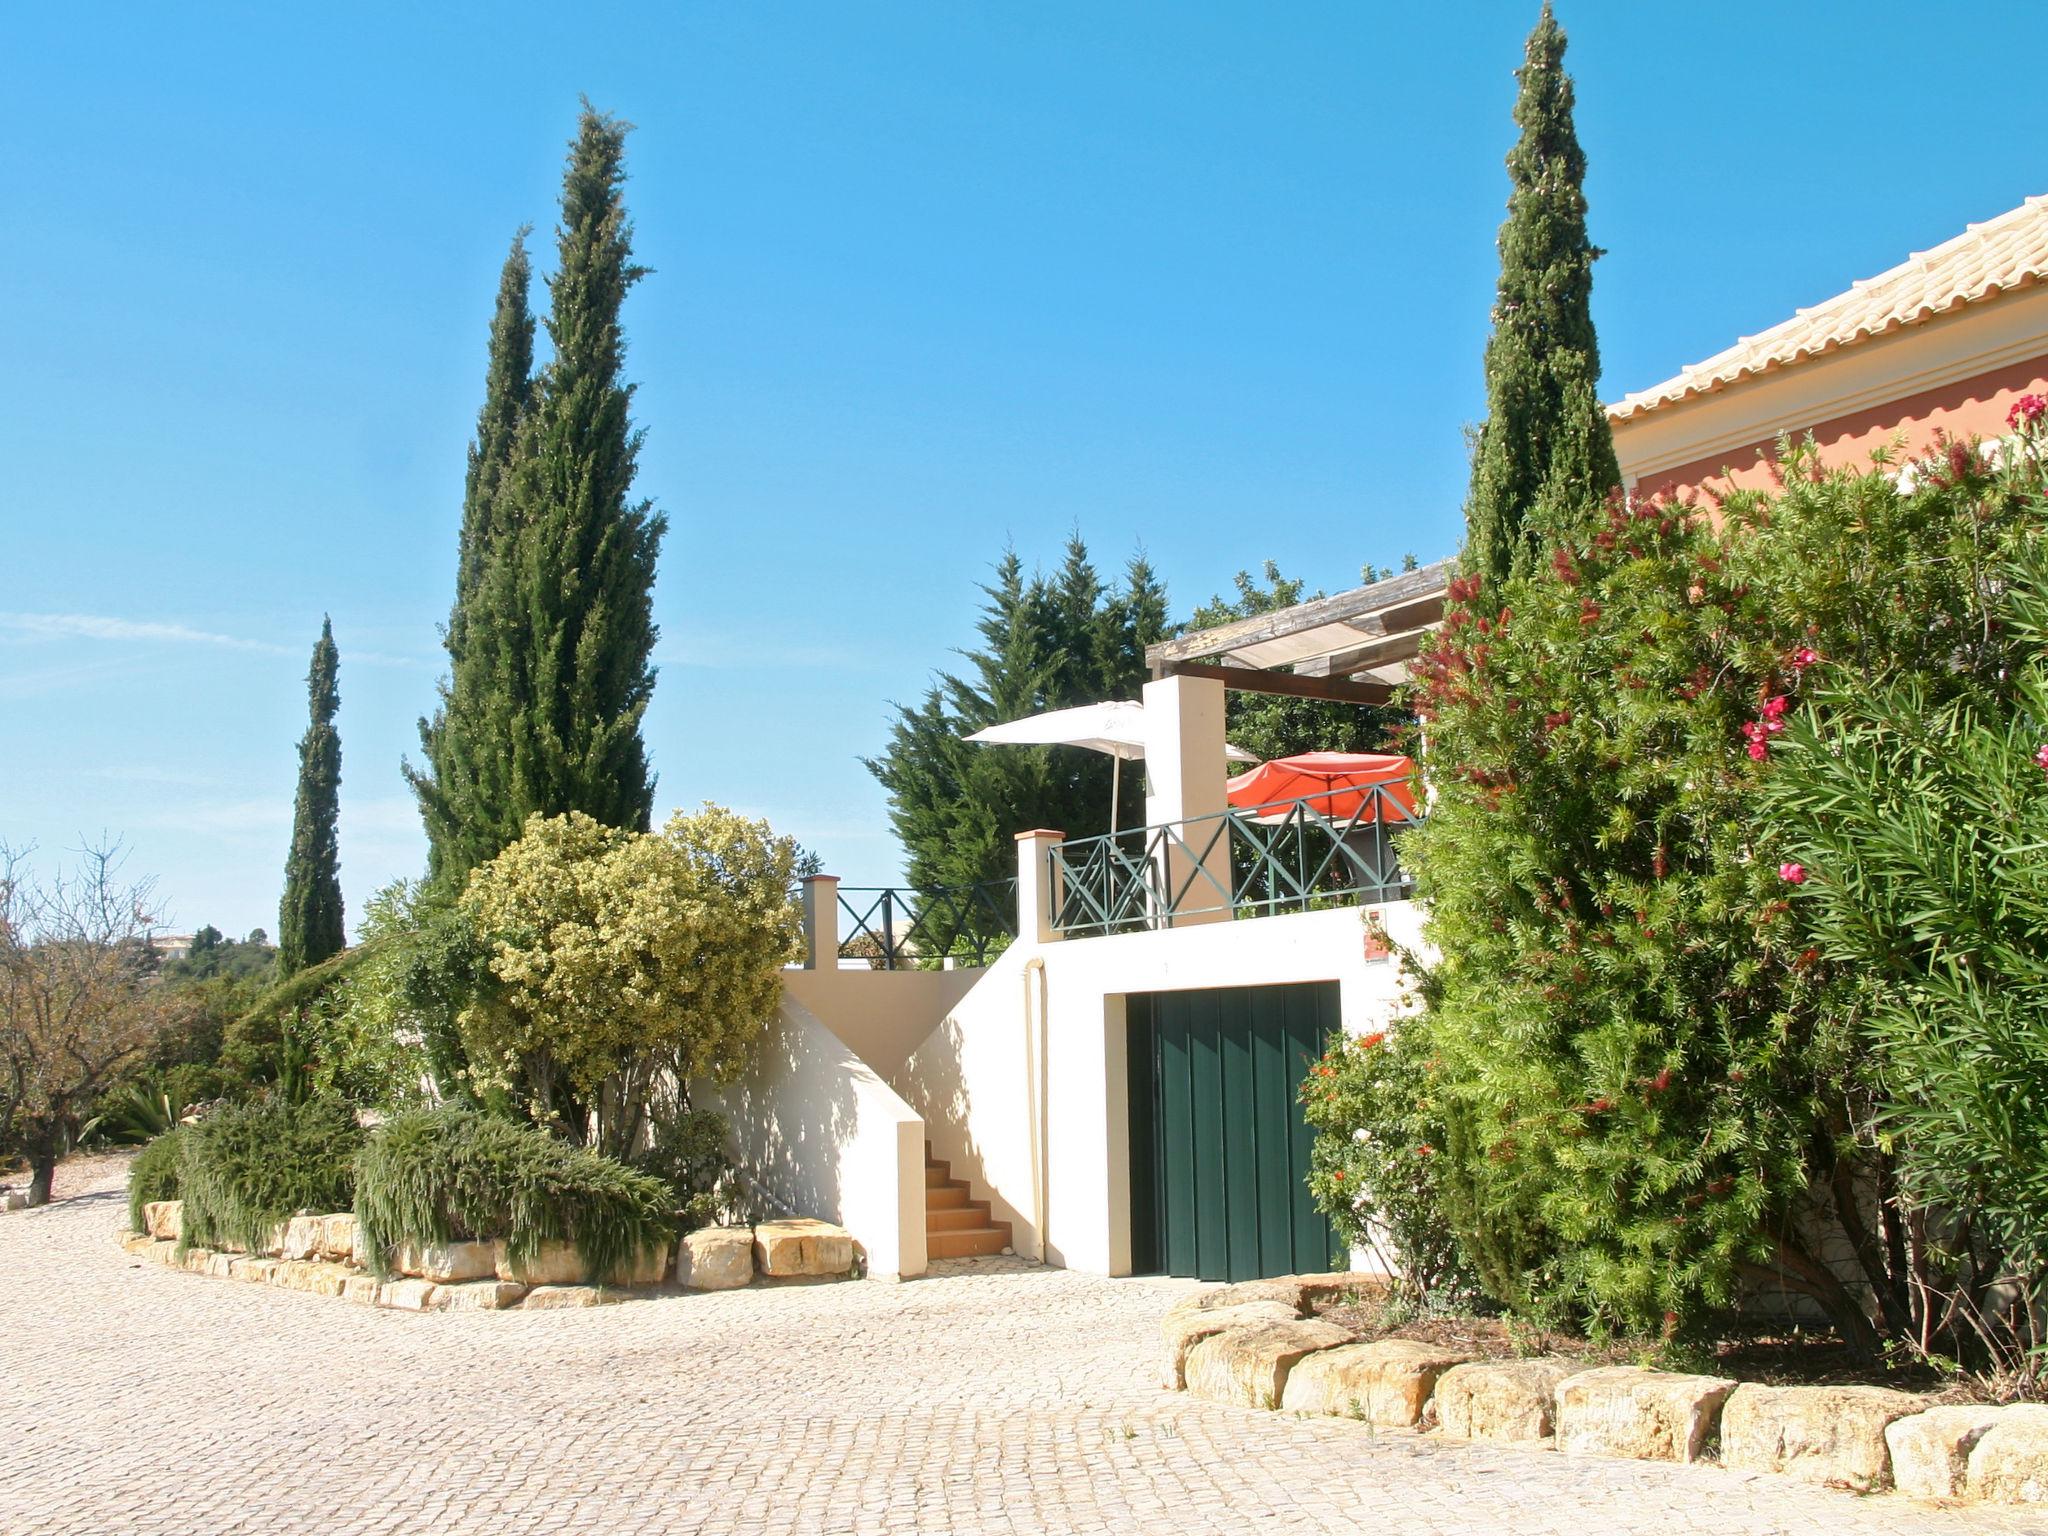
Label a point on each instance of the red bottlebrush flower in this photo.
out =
(1563, 717)
(1806, 959)
(1464, 588)
(1661, 1081)
(1599, 1106)
(1589, 612)
(1792, 874)
(1660, 865)
(1804, 657)
(1561, 563)
(1424, 1149)
(2025, 411)
(1735, 1074)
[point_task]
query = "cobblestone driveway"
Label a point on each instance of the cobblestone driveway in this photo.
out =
(990, 1398)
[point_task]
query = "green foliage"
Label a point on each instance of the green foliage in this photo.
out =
(215, 956)
(267, 1045)
(1377, 1167)
(432, 1176)
(1046, 643)
(153, 1176)
(621, 960)
(1544, 456)
(129, 1116)
(1272, 725)
(689, 1151)
(1919, 822)
(551, 649)
(464, 772)
(310, 918)
(247, 1167)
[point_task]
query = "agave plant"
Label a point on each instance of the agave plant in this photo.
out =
(129, 1117)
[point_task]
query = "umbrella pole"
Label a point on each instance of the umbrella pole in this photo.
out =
(1116, 789)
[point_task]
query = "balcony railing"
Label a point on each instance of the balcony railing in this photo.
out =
(1250, 862)
(895, 928)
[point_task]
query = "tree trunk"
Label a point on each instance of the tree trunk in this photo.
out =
(42, 1159)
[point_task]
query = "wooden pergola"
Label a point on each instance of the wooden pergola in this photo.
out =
(1353, 647)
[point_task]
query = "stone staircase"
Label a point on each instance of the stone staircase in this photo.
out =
(957, 1226)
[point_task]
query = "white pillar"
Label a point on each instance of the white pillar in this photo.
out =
(821, 922)
(1184, 767)
(1038, 885)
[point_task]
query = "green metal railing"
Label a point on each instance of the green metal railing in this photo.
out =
(1285, 857)
(896, 928)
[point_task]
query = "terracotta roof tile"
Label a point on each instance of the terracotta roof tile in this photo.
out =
(1997, 256)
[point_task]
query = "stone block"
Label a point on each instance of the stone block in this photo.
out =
(480, 1296)
(162, 1251)
(550, 1298)
(649, 1267)
(2009, 1465)
(407, 1295)
(1832, 1435)
(1510, 1400)
(801, 1246)
(361, 1289)
(13, 1200)
(716, 1258)
(1931, 1451)
(447, 1263)
(1248, 1364)
(1386, 1383)
(316, 1277)
(220, 1265)
(164, 1218)
(255, 1271)
(1182, 1330)
(1619, 1410)
(304, 1237)
(341, 1239)
(553, 1264)
(136, 1242)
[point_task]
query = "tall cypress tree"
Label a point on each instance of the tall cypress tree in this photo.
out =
(309, 918)
(465, 761)
(571, 572)
(1545, 454)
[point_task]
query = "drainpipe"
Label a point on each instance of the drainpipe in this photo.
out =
(1035, 1061)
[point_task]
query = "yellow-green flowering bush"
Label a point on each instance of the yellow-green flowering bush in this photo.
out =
(616, 957)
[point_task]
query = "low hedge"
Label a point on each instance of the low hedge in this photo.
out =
(442, 1175)
(153, 1175)
(247, 1167)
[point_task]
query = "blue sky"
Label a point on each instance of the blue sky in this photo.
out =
(1208, 278)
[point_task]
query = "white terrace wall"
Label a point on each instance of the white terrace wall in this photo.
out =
(883, 1015)
(817, 1131)
(1022, 1086)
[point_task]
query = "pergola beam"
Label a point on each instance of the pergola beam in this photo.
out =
(1293, 685)
(1383, 608)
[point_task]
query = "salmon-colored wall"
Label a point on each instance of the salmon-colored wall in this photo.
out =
(1968, 407)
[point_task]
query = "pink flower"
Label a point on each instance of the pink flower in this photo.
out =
(2041, 756)
(1759, 751)
(1792, 874)
(1804, 657)
(2026, 409)
(1773, 708)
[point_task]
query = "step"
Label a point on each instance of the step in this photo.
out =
(938, 1173)
(950, 1198)
(974, 1243)
(958, 1218)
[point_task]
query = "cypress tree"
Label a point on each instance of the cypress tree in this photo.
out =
(1545, 455)
(309, 918)
(464, 767)
(570, 574)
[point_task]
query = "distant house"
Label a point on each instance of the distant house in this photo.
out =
(170, 946)
(1946, 341)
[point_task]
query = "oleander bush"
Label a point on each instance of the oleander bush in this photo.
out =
(247, 1167)
(153, 1175)
(443, 1175)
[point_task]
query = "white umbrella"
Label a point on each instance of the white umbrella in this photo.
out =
(1117, 727)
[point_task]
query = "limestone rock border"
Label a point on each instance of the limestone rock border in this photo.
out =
(1259, 1345)
(323, 1255)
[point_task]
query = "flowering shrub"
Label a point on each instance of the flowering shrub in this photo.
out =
(1650, 1085)
(1375, 1170)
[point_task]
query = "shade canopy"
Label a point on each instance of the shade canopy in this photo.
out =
(1338, 785)
(1117, 727)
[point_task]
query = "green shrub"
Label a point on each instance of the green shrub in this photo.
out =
(1377, 1166)
(688, 1153)
(438, 1175)
(153, 1175)
(247, 1167)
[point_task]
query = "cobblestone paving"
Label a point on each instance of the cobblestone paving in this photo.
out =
(992, 1397)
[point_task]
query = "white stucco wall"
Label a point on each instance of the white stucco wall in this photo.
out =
(1022, 1085)
(883, 1015)
(817, 1131)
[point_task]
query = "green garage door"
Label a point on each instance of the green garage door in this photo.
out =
(1219, 1150)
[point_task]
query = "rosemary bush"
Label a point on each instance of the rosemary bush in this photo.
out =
(247, 1167)
(154, 1174)
(439, 1175)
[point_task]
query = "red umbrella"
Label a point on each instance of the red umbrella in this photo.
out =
(1338, 785)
